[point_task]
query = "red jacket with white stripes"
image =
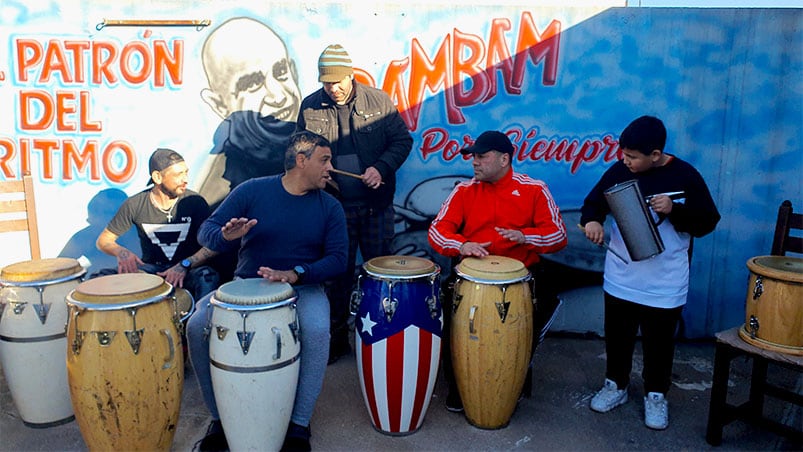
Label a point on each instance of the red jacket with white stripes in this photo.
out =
(516, 201)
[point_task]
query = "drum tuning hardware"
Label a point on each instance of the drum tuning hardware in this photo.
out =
(277, 333)
(471, 313)
(389, 306)
(432, 304)
(19, 306)
(753, 326)
(42, 308)
(105, 337)
(503, 306)
(78, 340)
(356, 300)
(457, 297)
(758, 289)
(134, 335)
(294, 330)
(221, 332)
(245, 337)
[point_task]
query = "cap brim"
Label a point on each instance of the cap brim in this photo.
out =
(475, 149)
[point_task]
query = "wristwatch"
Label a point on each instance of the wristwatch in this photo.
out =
(186, 263)
(300, 271)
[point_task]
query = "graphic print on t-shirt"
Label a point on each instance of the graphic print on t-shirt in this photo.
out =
(167, 236)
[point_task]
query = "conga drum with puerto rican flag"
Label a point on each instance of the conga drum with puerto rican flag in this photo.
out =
(399, 325)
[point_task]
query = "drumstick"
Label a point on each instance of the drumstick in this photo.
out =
(346, 173)
(605, 245)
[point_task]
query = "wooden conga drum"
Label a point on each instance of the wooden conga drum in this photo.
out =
(492, 331)
(774, 304)
(125, 362)
(254, 354)
(32, 339)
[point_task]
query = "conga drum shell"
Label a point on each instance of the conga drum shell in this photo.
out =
(398, 340)
(254, 353)
(32, 339)
(492, 330)
(774, 304)
(125, 362)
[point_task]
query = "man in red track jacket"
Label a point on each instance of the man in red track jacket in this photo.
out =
(498, 212)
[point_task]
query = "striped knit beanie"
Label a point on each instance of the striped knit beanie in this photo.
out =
(334, 64)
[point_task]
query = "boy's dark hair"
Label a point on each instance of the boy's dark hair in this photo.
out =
(644, 134)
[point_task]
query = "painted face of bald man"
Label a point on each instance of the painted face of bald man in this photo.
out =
(248, 68)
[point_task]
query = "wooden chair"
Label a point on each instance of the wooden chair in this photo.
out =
(729, 345)
(788, 221)
(17, 201)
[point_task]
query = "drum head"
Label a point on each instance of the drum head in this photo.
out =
(492, 268)
(785, 268)
(399, 266)
(41, 270)
(116, 289)
(253, 291)
(184, 302)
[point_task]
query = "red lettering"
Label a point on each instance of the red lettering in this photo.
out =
(29, 54)
(537, 47)
(46, 147)
(470, 67)
(129, 160)
(9, 154)
(35, 102)
(103, 55)
(71, 157)
(499, 57)
(394, 86)
(135, 62)
(63, 108)
(85, 123)
(164, 61)
(55, 61)
(78, 49)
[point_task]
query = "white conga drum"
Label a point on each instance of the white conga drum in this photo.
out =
(32, 339)
(774, 304)
(492, 335)
(398, 339)
(254, 352)
(124, 362)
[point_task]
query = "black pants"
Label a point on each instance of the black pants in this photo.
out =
(623, 319)
(545, 304)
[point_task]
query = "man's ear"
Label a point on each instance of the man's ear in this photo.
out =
(157, 177)
(301, 160)
(215, 102)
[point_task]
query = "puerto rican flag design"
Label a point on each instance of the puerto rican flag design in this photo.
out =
(397, 360)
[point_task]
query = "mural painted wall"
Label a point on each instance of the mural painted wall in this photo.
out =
(84, 101)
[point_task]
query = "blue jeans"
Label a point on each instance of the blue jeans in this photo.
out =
(312, 307)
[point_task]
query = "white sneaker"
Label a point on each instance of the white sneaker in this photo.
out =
(656, 411)
(609, 397)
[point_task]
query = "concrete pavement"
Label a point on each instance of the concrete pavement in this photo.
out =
(569, 369)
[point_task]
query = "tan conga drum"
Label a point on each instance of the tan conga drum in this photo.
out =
(774, 305)
(124, 362)
(492, 332)
(32, 339)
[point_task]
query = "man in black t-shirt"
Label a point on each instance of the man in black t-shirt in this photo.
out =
(167, 217)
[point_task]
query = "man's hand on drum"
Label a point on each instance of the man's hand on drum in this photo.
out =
(174, 275)
(128, 262)
(288, 276)
(594, 232)
(236, 228)
(474, 249)
(661, 204)
(513, 235)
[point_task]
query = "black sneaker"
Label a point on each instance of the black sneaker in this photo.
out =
(297, 439)
(215, 439)
(453, 402)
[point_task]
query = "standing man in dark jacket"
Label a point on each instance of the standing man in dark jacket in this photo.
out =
(371, 141)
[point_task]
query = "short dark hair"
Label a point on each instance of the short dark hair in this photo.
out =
(303, 142)
(644, 134)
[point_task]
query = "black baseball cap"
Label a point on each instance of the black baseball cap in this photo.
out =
(490, 140)
(161, 159)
